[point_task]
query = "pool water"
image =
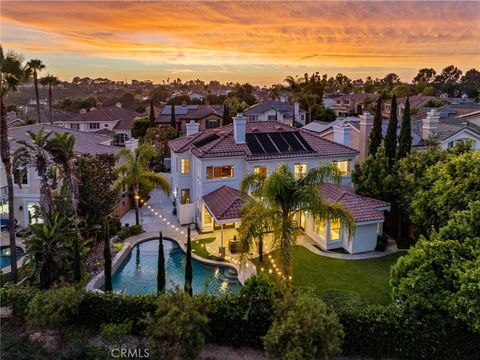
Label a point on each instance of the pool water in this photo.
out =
(5, 256)
(138, 272)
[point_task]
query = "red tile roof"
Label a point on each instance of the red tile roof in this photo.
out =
(223, 144)
(111, 113)
(225, 203)
(362, 208)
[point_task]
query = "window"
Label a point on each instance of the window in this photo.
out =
(185, 196)
(75, 126)
(252, 117)
(321, 228)
(93, 126)
(339, 102)
(33, 213)
(345, 166)
(302, 117)
(24, 178)
(300, 170)
(219, 172)
(185, 166)
(334, 230)
(346, 102)
(212, 124)
(121, 138)
(260, 170)
(207, 217)
(272, 117)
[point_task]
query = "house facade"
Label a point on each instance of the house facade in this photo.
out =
(207, 116)
(208, 166)
(350, 104)
(280, 111)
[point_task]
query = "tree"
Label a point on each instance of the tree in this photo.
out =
(470, 83)
(151, 114)
(160, 266)
(173, 121)
(322, 113)
(391, 136)
(405, 138)
(188, 265)
(440, 278)
(107, 256)
(13, 73)
(447, 80)
(463, 224)
(303, 328)
(281, 197)
(35, 66)
(254, 226)
(373, 177)
(227, 118)
(134, 173)
(376, 134)
(50, 81)
(425, 75)
(140, 127)
(159, 137)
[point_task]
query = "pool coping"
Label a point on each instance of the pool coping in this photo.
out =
(8, 269)
(243, 273)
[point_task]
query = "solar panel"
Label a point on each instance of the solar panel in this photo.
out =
(293, 141)
(267, 144)
(253, 144)
(304, 142)
(280, 142)
(206, 140)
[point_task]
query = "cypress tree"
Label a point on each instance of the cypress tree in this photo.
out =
(225, 116)
(391, 137)
(188, 265)
(107, 256)
(173, 123)
(160, 266)
(405, 139)
(376, 134)
(152, 114)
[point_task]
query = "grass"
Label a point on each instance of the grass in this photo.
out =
(198, 247)
(369, 278)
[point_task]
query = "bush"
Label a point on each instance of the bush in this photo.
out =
(128, 231)
(54, 308)
(17, 298)
(177, 328)
(116, 333)
(382, 242)
(303, 328)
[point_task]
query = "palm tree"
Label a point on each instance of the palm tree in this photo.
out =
(134, 173)
(38, 156)
(293, 84)
(254, 226)
(36, 65)
(277, 200)
(50, 81)
(12, 74)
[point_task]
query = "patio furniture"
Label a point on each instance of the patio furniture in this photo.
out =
(234, 245)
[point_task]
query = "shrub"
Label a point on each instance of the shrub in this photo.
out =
(382, 242)
(54, 308)
(17, 298)
(303, 329)
(128, 231)
(176, 329)
(116, 333)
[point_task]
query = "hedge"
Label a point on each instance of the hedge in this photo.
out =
(128, 231)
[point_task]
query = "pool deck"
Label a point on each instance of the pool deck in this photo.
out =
(5, 241)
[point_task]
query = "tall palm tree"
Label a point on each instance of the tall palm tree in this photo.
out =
(38, 156)
(12, 74)
(35, 66)
(50, 81)
(134, 172)
(293, 84)
(277, 200)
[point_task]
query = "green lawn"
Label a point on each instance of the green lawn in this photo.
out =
(198, 247)
(369, 278)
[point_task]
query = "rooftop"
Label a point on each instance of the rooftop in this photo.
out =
(261, 108)
(225, 203)
(110, 113)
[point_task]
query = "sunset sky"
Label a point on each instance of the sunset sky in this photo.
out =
(258, 42)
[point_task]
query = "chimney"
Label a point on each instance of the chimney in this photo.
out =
(429, 124)
(342, 134)
(366, 124)
(83, 111)
(118, 105)
(296, 112)
(239, 128)
(192, 128)
(131, 144)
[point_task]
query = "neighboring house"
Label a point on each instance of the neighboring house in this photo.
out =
(351, 104)
(330, 99)
(276, 111)
(42, 102)
(112, 120)
(27, 197)
(30, 113)
(195, 96)
(207, 116)
(208, 166)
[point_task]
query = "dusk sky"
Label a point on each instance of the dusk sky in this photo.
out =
(258, 42)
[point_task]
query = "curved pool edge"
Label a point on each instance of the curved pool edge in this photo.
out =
(8, 269)
(94, 284)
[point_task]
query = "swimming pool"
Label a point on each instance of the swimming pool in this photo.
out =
(138, 272)
(5, 256)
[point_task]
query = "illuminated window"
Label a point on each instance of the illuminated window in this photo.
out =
(321, 228)
(185, 166)
(219, 172)
(260, 170)
(185, 196)
(300, 170)
(345, 167)
(334, 230)
(207, 217)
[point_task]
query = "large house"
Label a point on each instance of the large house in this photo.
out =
(276, 111)
(208, 166)
(27, 197)
(207, 116)
(350, 104)
(111, 120)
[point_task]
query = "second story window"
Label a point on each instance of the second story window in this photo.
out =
(344, 166)
(300, 170)
(260, 170)
(220, 172)
(93, 126)
(272, 117)
(185, 166)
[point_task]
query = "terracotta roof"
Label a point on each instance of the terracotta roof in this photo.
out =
(111, 113)
(362, 208)
(189, 112)
(220, 142)
(225, 203)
